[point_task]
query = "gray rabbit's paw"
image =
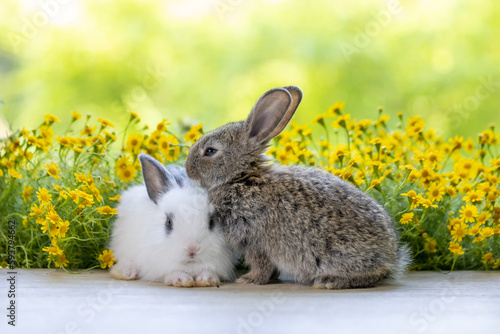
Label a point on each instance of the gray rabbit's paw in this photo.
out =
(253, 277)
(179, 279)
(332, 282)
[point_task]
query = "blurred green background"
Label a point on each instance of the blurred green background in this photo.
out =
(209, 60)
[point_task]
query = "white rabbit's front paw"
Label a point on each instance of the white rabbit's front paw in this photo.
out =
(179, 279)
(206, 279)
(124, 272)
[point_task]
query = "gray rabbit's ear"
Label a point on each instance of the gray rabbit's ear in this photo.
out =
(180, 175)
(157, 178)
(272, 112)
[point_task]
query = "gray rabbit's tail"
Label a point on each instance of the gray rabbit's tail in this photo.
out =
(403, 262)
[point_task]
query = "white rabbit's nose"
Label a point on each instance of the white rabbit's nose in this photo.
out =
(192, 250)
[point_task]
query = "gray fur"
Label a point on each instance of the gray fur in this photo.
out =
(305, 222)
(160, 179)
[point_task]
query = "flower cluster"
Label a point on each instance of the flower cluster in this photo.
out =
(442, 194)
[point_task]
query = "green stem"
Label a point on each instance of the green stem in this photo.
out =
(455, 257)
(77, 272)
(6, 193)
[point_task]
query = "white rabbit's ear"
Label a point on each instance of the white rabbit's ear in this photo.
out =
(180, 175)
(157, 178)
(272, 112)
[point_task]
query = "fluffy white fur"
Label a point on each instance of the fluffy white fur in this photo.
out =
(144, 250)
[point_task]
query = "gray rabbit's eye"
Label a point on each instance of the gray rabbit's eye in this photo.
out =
(169, 223)
(209, 151)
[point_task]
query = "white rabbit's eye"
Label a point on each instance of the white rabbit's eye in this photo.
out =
(211, 224)
(209, 151)
(169, 223)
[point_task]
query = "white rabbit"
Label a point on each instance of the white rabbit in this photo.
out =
(164, 232)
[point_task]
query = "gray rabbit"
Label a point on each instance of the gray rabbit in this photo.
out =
(301, 221)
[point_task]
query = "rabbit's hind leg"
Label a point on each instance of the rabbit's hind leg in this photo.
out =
(261, 268)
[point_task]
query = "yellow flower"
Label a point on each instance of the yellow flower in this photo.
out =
(62, 260)
(63, 141)
(340, 151)
(134, 142)
(74, 196)
(63, 228)
(14, 173)
(424, 202)
(84, 194)
(96, 192)
(106, 210)
(127, 173)
(465, 187)
(407, 167)
(162, 126)
(116, 198)
(459, 232)
(123, 162)
(486, 232)
(49, 119)
(341, 121)
(27, 191)
(487, 137)
(426, 175)
(485, 187)
(86, 202)
(168, 146)
(105, 123)
(495, 163)
(107, 259)
(133, 115)
(406, 218)
(415, 126)
(474, 196)
(453, 222)
(468, 145)
(382, 120)
(88, 131)
(37, 210)
(411, 194)
(435, 192)
(45, 224)
(468, 213)
(76, 116)
(54, 249)
(455, 248)
(489, 257)
(475, 229)
(319, 119)
(43, 196)
(111, 136)
(194, 133)
(466, 168)
(456, 142)
(430, 245)
(47, 133)
(335, 109)
(52, 169)
(53, 216)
